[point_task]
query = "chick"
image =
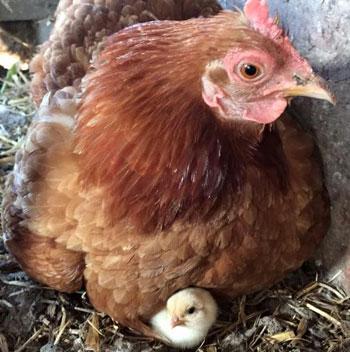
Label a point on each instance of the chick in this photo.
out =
(187, 318)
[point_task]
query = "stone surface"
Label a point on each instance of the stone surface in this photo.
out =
(24, 10)
(320, 30)
(43, 29)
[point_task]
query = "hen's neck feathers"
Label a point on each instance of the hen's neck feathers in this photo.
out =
(144, 131)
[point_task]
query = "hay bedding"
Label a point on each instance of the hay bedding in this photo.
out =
(302, 313)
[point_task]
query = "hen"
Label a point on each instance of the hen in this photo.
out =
(171, 168)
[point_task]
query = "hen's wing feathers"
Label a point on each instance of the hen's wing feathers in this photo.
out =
(31, 240)
(306, 184)
(81, 27)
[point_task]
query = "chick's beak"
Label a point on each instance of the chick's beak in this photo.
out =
(175, 321)
(314, 87)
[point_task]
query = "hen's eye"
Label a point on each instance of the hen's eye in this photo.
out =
(191, 310)
(250, 71)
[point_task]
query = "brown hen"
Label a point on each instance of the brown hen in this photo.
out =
(169, 170)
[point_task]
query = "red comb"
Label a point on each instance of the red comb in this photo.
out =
(257, 12)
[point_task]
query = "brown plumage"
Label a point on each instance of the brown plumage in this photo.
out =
(82, 25)
(152, 184)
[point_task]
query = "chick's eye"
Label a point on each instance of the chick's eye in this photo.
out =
(249, 71)
(191, 310)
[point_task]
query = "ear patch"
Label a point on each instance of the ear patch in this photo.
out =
(211, 93)
(215, 77)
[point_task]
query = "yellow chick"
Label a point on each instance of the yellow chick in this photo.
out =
(187, 318)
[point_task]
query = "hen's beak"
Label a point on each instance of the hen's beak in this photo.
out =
(175, 321)
(315, 87)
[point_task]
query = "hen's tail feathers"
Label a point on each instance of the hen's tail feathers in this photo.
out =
(41, 258)
(81, 26)
(47, 262)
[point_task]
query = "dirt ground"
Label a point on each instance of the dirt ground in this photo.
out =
(302, 313)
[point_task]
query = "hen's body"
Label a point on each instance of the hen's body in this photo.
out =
(154, 203)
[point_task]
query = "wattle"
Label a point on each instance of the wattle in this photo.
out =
(265, 111)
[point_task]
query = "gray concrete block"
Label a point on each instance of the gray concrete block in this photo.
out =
(43, 29)
(320, 31)
(24, 10)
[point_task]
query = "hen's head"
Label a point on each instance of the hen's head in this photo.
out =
(258, 76)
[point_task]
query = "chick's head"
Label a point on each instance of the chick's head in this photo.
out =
(192, 308)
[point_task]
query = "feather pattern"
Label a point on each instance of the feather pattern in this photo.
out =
(155, 181)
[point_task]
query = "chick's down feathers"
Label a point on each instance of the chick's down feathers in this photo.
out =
(135, 177)
(187, 317)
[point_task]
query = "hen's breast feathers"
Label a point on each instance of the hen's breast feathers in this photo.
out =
(156, 183)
